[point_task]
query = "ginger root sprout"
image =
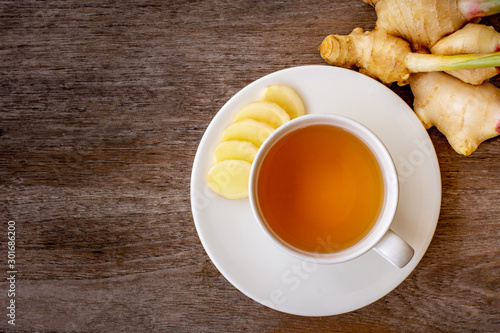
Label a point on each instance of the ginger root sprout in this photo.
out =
(473, 38)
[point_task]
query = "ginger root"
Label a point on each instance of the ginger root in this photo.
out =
(390, 59)
(473, 38)
(370, 51)
(467, 115)
(424, 22)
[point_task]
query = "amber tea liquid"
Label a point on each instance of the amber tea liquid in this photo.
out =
(320, 189)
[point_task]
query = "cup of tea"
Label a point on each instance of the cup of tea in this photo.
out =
(324, 189)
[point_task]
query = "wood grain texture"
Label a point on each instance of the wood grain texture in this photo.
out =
(103, 105)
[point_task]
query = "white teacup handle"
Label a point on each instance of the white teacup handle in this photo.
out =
(394, 249)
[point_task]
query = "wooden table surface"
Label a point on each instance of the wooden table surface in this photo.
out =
(103, 105)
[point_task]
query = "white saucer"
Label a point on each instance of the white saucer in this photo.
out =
(242, 252)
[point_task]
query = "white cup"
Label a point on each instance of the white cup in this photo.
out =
(380, 237)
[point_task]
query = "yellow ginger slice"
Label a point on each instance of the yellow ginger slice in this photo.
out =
(235, 150)
(241, 140)
(268, 112)
(466, 114)
(229, 178)
(248, 130)
(285, 97)
(473, 38)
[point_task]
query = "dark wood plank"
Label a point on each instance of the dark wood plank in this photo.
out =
(102, 107)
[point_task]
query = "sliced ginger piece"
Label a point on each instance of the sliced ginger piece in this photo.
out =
(285, 97)
(248, 130)
(268, 112)
(229, 178)
(235, 150)
(241, 140)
